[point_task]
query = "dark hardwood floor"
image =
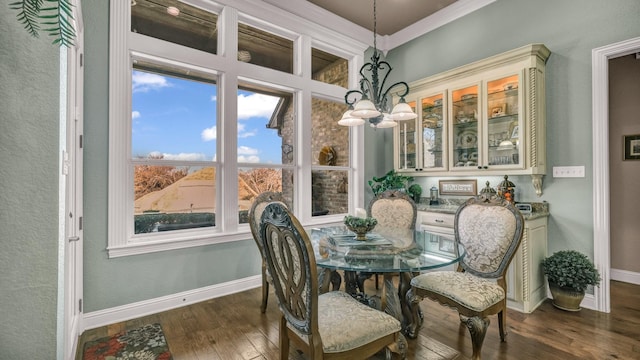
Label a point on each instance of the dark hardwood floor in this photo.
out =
(232, 327)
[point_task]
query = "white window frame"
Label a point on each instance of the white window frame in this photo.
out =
(125, 45)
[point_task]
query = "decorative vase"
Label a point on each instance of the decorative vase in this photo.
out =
(360, 226)
(566, 298)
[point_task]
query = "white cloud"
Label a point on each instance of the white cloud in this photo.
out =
(245, 134)
(214, 98)
(248, 155)
(245, 150)
(143, 82)
(135, 114)
(256, 105)
(209, 134)
(248, 159)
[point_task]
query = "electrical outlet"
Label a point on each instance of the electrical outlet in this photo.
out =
(568, 171)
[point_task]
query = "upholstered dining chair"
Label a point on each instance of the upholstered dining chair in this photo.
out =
(255, 214)
(332, 325)
(490, 230)
(394, 210)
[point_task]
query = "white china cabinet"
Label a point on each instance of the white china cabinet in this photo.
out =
(484, 118)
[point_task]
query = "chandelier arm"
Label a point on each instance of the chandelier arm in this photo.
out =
(402, 95)
(350, 92)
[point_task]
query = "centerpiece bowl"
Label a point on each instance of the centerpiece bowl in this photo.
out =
(360, 226)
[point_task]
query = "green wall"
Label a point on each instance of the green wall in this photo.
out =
(114, 282)
(570, 29)
(29, 127)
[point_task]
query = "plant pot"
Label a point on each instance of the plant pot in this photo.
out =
(566, 298)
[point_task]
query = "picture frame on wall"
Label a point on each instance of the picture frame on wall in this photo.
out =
(631, 145)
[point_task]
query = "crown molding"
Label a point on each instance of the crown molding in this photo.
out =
(318, 15)
(452, 12)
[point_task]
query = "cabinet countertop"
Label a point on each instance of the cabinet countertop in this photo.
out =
(540, 209)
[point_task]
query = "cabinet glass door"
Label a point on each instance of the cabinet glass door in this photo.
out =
(408, 146)
(433, 125)
(465, 141)
(502, 118)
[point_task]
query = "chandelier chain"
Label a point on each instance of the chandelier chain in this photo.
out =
(375, 21)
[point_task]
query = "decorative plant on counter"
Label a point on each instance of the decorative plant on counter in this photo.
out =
(569, 272)
(360, 226)
(415, 191)
(391, 180)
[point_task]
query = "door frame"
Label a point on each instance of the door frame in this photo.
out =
(601, 188)
(72, 175)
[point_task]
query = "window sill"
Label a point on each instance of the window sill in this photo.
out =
(181, 240)
(138, 248)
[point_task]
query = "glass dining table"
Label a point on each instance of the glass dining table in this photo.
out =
(388, 252)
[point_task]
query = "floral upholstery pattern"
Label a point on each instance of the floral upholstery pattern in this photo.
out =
(346, 324)
(470, 291)
(490, 230)
(393, 209)
(486, 233)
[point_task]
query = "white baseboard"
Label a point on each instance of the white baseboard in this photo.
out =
(625, 276)
(117, 314)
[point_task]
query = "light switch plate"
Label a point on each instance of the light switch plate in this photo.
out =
(568, 171)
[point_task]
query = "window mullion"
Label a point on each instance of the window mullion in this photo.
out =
(227, 184)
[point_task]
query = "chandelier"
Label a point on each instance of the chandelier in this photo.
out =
(373, 102)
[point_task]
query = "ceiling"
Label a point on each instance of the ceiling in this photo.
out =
(392, 15)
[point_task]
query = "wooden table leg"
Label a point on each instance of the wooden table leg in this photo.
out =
(412, 316)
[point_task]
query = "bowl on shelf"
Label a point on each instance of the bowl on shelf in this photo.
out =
(360, 226)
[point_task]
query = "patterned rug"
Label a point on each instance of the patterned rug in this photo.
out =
(144, 343)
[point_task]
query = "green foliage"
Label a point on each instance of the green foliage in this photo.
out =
(390, 180)
(415, 190)
(55, 19)
(570, 269)
(358, 222)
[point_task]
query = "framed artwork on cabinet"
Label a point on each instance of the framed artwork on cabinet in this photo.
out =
(458, 187)
(631, 145)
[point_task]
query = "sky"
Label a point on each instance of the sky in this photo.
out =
(177, 118)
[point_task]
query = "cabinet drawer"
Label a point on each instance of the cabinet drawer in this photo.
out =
(436, 219)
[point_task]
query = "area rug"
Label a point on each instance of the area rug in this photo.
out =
(144, 343)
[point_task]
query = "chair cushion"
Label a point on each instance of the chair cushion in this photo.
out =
(470, 291)
(345, 324)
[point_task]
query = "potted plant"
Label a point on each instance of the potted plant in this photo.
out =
(569, 272)
(415, 191)
(392, 180)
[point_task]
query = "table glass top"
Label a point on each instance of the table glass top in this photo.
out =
(385, 250)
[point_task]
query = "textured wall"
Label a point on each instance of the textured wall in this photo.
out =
(29, 95)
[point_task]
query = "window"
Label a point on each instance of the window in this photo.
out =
(174, 181)
(195, 136)
(266, 132)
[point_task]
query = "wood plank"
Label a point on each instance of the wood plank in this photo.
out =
(232, 327)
